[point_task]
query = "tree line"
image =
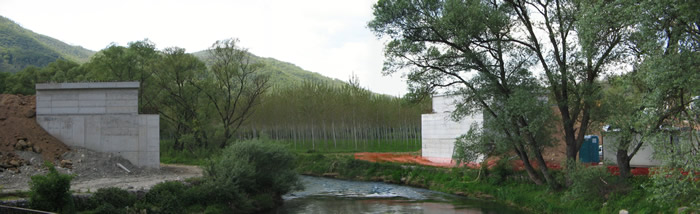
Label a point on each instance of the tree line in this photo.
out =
(320, 116)
(233, 99)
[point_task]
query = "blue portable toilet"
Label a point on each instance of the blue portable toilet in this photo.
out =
(589, 150)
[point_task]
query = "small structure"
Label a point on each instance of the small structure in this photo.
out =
(439, 131)
(643, 157)
(101, 116)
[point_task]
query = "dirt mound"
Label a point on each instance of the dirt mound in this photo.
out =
(19, 131)
(84, 165)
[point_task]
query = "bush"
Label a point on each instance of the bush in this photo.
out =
(592, 183)
(165, 197)
(252, 168)
(114, 196)
(51, 192)
(108, 209)
(500, 172)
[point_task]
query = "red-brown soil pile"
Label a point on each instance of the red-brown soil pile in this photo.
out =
(19, 131)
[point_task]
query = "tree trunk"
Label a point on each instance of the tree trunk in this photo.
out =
(526, 164)
(545, 171)
(335, 144)
(354, 136)
(227, 135)
(623, 163)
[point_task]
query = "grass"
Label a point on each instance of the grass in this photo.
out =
(199, 156)
(351, 146)
(515, 189)
(190, 156)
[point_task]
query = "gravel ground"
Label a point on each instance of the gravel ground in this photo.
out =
(94, 170)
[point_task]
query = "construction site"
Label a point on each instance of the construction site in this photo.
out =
(101, 154)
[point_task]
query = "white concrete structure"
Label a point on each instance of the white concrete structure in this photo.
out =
(102, 117)
(439, 131)
(643, 158)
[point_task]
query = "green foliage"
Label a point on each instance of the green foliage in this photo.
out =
(50, 192)
(165, 197)
(668, 41)
(636, 195)
(191, 156)
(254, 166)
(322, 117)
(234, 85)
(500, 172)
(114, 196)
(107, 209)
(253, 174)
(179, 96)
(592, 183)
(670, 187)
(463, 48)
(21, 48)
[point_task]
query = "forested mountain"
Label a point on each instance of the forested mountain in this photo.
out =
(20, 48)
(282, 74)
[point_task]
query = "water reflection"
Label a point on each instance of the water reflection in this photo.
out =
(323, 195)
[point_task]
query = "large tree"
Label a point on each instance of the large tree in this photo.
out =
(465, 48)
(625, 104)
(234, 86)
(668, 41)
(177, 75)
(132, 63)
(574, 43)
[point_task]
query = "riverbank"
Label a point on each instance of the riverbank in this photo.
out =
(497, 184)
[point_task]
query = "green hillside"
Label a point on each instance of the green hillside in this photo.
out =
(20, 48)
(282, 74)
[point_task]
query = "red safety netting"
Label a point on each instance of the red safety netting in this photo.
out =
(517, 164)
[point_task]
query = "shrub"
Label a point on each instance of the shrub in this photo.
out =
(114, 196)
(108, 209)
(165, 197)
(500, 172)
(252, 168)
(591, 183)
(51, 192)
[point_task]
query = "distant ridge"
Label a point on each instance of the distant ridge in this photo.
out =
(282, 74)
(20, 48)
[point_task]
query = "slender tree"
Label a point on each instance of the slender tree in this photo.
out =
(234, 86)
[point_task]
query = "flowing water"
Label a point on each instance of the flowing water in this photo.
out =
(325, 195)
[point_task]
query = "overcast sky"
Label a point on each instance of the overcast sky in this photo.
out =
(325, 36)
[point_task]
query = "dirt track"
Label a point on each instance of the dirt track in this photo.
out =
(143, 180)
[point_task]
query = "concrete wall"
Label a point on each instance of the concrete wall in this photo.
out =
(439, 132)
(643, 158)
(444, 104)
(102, 117)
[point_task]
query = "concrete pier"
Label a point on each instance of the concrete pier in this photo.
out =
(439, 132)
(102, 117)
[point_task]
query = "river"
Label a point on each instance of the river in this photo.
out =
(325, 195)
